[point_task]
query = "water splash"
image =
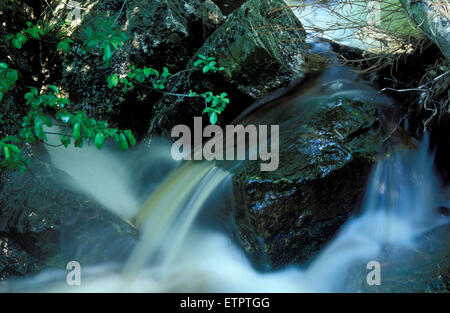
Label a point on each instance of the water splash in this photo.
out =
(401, 201)
(178, 254)
(114, 179)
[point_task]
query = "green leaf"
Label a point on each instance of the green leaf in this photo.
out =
(147, 72)
(90, 44)
(7, 153)
(130, 137)
(11, 138)
(165, 73)
(65, 140)
(140, 77)
(62, 102)
(99, 140)
(113, 80)
(1, 96)
(76, 132)
(63, 45)
(198, 63)
(12, 76)
(16, 43)
(14, 148)
(123, 143)
(64, 116)
(39, 129)
(54, 89)
(213, 118)
(34, 91)
(208, 110)
(29, 136)
(33, 31)
(107, 52)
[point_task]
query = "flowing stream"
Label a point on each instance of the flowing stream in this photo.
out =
(180, 250)
(177, 252)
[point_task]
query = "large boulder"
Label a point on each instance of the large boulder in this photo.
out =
(45, 223)
(433, 19)
(327, 147)
(169, 32)
(261, 52)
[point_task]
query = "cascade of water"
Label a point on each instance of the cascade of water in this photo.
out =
(169, 212)
(401, 201)
(173, 254)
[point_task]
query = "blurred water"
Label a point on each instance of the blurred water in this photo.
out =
(179, 254)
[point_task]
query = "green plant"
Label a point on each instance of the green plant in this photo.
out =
(47, 107)
(12, 155)
(77, 127)
(20, 38)
(207, 64)
(215, 104)
(107, 36)
(64, 44)
(8, 78)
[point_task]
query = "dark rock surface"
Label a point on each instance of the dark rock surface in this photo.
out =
(260, 51)
(424, 267)
(326, 153)
(228, 6)
(43, 222)
(14, 261)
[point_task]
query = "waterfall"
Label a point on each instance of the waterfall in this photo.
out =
(175, 253)
(400, 204)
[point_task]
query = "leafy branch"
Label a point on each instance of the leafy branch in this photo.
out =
(158, 83)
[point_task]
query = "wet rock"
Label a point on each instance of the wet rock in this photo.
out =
(228, 6)
(260, 51)
(45, 223)
(424, 267)
(14, 261)
(326, 152)
(433, 19)
(169, 32)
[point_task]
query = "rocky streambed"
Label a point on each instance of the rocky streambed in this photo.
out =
(333, 125)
